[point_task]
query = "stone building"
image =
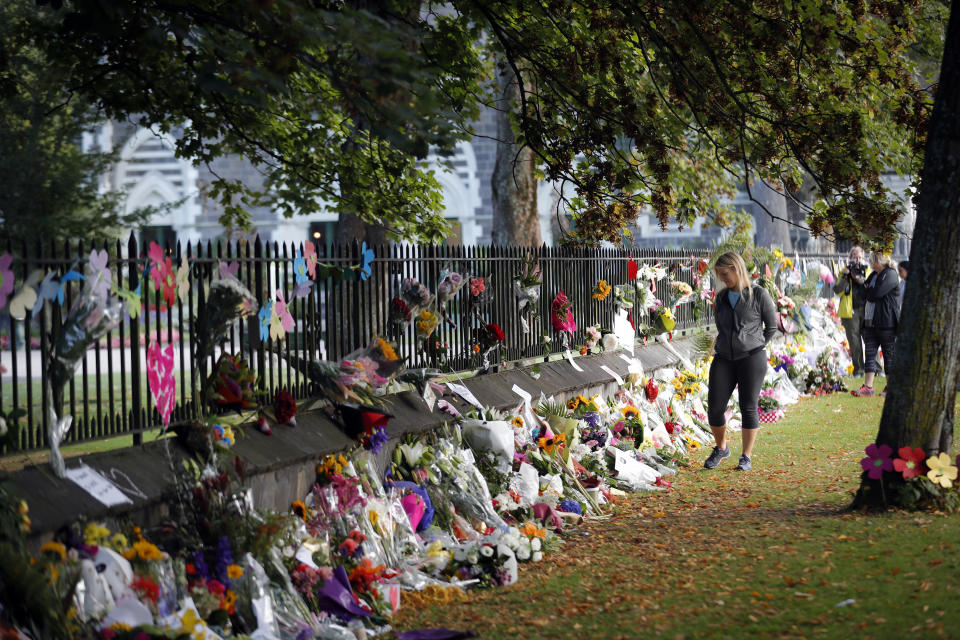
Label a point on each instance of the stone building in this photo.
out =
(150, 172)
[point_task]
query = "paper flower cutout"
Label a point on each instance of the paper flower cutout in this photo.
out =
(163, 276)
(98, 274)
(160, 378)
(877, 461)
(228, 271)
(300, 268)
(302, 289)
(366, 260)
(266, 311)
(310, 257)
(283, 312)
(183, 282)
(276, 325)
(23, 301)
(131, 300)
(47, 290)
(6, 278)
(941, 471)
(69, 276)
(910, 462)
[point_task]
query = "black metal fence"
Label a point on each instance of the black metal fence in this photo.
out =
(109, 394)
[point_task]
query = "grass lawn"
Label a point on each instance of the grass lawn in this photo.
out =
(765, 554)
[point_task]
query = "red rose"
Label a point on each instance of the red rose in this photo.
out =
(496, 331)
(285, 407)
(652, 390)
(670, 427)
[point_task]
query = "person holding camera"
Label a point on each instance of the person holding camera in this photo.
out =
(853, 300)
(881, 318)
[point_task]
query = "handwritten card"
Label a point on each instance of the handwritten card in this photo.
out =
(465, 393)
(613, 374)
(90, 480)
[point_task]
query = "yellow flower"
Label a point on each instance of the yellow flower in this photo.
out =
(387, 350)
(192, 624)
(120, 626)
(55, 547)
(517, 422)
(630, 412)
(234, 571)
(119, 542)
(146, 550)
(95, 533)
(602, 290)
(941, 471)
(573, 403)
(849, 368)
(300, 509)
(549, 444)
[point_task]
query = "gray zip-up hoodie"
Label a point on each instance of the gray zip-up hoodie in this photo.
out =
(741, 331)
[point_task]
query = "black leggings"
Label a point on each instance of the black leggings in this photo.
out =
(882, 339)
(747, 373)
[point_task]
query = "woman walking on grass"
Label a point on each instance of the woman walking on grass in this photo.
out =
(881, 318)
(746, 320)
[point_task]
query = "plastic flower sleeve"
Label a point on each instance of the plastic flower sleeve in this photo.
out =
(255, 593)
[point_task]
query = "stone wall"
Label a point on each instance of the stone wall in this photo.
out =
(280, 467)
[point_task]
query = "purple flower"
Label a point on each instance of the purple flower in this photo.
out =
(224, 559)
(570, 506)
(592, 418)
(877, 461)
(376, 441)
(201, 565)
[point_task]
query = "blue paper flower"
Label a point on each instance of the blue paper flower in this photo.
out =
(300, 268)
(366, 259)
(264, 315)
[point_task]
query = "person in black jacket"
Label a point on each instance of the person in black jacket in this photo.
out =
(746, 319)
(881, 317)
(851, 283)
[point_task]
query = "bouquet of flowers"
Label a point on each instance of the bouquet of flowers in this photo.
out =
(488, 337)
(662, 320)
(601, 291)
(231, 383)
(769, 408)
(526, 289)
(450, 284)
(561, 315)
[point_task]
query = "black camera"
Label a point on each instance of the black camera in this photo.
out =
(857, 269)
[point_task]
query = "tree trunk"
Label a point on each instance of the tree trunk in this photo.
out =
(918, 411)
(515, 217)
(771, 232)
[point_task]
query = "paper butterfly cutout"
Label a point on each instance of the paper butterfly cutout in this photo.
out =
(131, 300)
(160, 378)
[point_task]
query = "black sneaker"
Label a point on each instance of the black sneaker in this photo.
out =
(744, 464)
(716, 457)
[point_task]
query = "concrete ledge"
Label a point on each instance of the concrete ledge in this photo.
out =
(281, 467)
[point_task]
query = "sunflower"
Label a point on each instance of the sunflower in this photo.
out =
(300, 509)
(517, 422)
(55, 547)
(630, 412)
(549, 444)
(234, 571)
(573, 403)
(387, 350)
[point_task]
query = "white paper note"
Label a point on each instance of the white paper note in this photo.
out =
(523, 394)
(90, 480)
(572, 363)
(616, 376)
(465, 393)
